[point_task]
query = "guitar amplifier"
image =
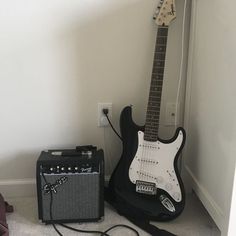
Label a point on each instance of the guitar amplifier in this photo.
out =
(70, 186)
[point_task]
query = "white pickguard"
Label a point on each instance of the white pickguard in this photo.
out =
(154, 162)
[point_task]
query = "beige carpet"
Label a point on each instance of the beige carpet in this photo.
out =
(194, 221)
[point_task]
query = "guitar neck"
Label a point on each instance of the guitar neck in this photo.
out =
(154, 101)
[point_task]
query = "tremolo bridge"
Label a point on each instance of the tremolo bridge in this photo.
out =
(146, 187)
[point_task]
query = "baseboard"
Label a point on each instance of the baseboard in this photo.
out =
(18, 188)
(207, 200)
(23, 187)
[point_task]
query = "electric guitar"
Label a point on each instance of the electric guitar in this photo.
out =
(146, 176)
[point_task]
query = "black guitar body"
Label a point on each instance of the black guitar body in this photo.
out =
(124, 191)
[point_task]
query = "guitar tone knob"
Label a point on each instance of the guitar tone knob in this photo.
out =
(176, 195)
(160, 179)
(168, 186)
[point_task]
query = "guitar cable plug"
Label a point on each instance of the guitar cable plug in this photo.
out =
(105, 112)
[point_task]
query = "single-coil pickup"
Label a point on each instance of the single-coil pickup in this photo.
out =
(147, 161)
(147, 175)
(148, 146)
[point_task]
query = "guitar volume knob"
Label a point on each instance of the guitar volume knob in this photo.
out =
(176, 195)
(168, 186)
(159, 179)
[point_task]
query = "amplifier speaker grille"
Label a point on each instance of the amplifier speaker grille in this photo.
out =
(77, 198)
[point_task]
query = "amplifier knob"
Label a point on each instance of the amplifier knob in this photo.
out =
(51, 169)
(76, 168)
(69, 168)
(62, 168)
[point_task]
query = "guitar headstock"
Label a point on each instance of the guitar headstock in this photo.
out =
(165, 12)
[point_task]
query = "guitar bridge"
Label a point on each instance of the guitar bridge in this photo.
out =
(146, 187)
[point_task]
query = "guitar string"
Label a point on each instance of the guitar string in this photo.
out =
(145, 164)
(145, 143)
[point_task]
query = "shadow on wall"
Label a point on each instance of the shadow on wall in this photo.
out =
(102, 58)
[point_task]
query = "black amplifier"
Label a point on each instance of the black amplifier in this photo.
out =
(70, 186)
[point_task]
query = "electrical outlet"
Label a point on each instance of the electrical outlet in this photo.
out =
(102, 120)
(170, 117)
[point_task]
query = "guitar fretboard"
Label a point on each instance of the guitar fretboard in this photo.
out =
(154, 101)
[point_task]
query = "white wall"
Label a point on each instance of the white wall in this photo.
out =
(210, 107)
(58, 59)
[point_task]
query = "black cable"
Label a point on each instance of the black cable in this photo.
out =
(112, 126)
(50, 207)
(85, 231)
(53, 225)
(125, 226)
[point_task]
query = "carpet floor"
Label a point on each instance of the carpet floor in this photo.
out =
(194, 221)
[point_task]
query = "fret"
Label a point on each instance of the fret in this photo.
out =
(160, 63)
(155, 98)
(151, 130)
(151, 125)
(150, 138)
(157, 74)
(161, 49)
(159, 60)
(152, 115)
(155, 93)
(162, 31)
(152, 109)
(159, 56)
(154, 104)
(156, 88)
(152, 135)
(157, 65)
(152, 118)
(161, 40)
(158, 70)
(153, 112)
(156, 82)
